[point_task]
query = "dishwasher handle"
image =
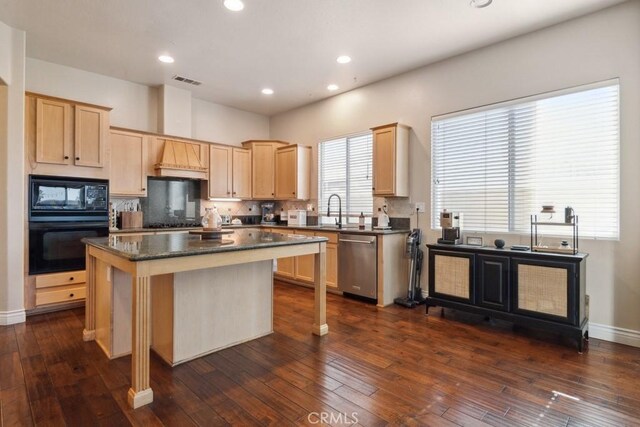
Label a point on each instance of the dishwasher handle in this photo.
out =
(363, 242)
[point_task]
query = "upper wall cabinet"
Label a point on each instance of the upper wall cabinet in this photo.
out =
(61, 134)
(391, 160)
(128, 172)
(229, 172)
(263, 167)
(292, 170)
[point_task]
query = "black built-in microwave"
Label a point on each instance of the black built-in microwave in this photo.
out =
(54, 198)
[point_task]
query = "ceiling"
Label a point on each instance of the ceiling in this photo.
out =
(290, 46)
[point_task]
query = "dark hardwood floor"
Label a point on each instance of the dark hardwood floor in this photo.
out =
(391, 366)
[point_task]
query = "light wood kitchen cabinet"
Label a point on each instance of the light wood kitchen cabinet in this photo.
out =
(54, 131)
(91, 130)
(292, 170)
(263, 167)
(61, 134)
(241, 173)
(332, 258)
(286, 267)
(391, 160)
(305, 265)
(128, 172)
(229, 172)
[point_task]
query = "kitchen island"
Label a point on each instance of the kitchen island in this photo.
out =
(149, 257)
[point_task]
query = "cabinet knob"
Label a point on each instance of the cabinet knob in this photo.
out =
(77, 158)
(66, 157)
(373, 188)
(70, 295)
(272, 194)
(228, 192)
(144, 189)
(70, 278)
(294, 193)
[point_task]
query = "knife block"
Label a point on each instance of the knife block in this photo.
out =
(131, 219)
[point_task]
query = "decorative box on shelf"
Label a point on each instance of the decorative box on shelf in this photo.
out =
(564, 246)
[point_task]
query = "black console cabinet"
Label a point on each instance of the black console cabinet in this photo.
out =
(541, 290)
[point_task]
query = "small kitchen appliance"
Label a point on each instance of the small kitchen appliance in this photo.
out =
(416, 256)
(451, 223)
(296, 217)
(383, 219)
(268, 215)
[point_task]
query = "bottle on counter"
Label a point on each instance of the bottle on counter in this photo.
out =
(361, 221)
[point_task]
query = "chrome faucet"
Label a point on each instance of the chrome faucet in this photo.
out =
(339, 220)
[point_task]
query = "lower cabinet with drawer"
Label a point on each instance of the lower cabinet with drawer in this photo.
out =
(57, 288)
(540, 290)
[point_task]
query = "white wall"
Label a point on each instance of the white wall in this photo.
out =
(12, 58)
(174, 111)
(600, 46)
(134, 105)
(218, 123)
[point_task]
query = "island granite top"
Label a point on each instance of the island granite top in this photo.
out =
(169, 245)
(283, 228)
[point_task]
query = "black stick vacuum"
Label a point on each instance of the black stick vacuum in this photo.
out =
(416, 256)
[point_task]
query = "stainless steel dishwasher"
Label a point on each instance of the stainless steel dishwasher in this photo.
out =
(358, 265)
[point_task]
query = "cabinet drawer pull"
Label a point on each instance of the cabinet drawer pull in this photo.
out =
(77, 158)
(66, 157)
(70, 278)
(144, 189)
(70, 295)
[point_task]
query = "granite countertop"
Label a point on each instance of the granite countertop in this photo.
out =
(349, 230)
(168, 245)
(368, 230)
(153, 230)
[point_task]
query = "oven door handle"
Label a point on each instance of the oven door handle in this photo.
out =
(62, 225)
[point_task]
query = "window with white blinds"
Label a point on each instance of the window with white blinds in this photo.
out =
(344, 168)
(499, 164)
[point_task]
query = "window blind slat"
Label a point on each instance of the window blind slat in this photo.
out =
(344, 166)
(499, 165)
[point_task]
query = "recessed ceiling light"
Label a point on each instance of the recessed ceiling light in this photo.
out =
(234, 5)
(343, 59)
(166, 59)
(332, 87)
(267, 91)
(480, 3)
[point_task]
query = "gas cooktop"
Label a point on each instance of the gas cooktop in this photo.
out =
(175, 225)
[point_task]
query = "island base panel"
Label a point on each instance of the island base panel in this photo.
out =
(202, 311)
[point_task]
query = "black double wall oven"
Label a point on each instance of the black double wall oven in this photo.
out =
(63, 211)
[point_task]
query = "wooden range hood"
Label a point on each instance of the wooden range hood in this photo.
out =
(181, 159)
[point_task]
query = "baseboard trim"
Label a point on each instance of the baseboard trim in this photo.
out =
(614, 334)
(12, 317)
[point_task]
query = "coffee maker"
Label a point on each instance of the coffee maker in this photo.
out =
(450, 222)
(268, 215)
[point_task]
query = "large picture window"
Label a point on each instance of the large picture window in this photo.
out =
(344, 168)
(499, 164)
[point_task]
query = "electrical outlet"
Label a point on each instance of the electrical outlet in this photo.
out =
(420, 207)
